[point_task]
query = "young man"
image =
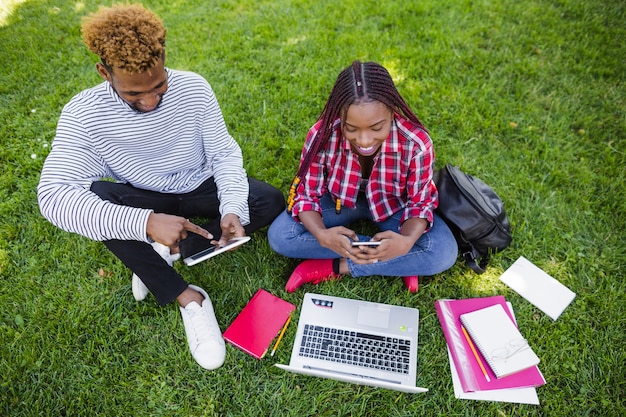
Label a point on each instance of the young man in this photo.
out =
(137, 155)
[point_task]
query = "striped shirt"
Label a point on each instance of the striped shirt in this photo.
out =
(172, 149)
(401, 178)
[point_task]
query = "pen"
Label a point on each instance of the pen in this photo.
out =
(280, 336)
(480, 363)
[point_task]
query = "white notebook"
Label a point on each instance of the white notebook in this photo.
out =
(499, 341)
(535, 285)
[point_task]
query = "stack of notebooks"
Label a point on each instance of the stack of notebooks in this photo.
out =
(489, 357)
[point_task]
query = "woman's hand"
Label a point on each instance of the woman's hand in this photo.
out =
(394, 244)
(337, 239)
(391, 246)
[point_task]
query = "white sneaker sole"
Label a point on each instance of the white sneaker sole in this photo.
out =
(140, 291)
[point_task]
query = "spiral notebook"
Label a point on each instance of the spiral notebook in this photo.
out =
(499, 341)
(470, 374)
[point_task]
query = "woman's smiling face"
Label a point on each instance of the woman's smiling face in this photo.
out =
(366, 126)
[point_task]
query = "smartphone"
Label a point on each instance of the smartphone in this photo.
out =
(368, 243)
(214, 250)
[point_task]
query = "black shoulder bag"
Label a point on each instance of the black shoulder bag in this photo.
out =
(474, 213)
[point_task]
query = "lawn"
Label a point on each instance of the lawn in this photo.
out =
(529, 96)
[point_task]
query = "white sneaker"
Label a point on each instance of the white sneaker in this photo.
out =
(140, 291)
(203, 333)
(164, 251)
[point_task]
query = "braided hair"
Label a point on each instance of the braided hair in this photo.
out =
(359, 83)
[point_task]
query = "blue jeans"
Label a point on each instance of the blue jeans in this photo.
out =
(434, 252)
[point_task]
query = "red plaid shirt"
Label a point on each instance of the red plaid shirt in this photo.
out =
(401, 178)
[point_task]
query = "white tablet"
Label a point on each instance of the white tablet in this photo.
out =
(214, 250)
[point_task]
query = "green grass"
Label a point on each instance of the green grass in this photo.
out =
(529, 96)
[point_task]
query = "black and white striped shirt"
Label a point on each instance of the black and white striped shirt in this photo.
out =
(172, 149)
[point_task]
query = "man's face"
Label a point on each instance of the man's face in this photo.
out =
(144, 91)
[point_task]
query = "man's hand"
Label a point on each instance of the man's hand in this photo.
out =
(231, 227)
(170, 230)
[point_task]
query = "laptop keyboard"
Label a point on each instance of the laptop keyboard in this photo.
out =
(356, 348)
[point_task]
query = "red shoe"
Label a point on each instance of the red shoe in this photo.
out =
(312, 271)
(412, 283)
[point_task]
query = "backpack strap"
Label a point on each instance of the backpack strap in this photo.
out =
(471, 259)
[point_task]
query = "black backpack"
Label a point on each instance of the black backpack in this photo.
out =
(474, 213)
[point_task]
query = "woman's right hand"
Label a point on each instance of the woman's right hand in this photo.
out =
(337, 239)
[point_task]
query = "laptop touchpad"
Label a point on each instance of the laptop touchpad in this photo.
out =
(373, 316)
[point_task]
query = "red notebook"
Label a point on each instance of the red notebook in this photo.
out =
(259, 323)
(470, 374)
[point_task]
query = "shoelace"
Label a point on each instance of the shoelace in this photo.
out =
(200, 319)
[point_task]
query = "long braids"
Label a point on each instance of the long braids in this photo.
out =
(367, 81)
(380, 87)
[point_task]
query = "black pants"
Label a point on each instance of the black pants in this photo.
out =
(265, 203)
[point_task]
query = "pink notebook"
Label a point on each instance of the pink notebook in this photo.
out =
(470, 374)
(258, 323)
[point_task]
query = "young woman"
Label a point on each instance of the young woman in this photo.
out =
(367, 157)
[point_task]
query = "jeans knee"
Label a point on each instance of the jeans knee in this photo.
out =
(446, 254)
(451, 256)
(282, 235)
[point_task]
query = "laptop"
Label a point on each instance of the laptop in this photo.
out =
(356, 341)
